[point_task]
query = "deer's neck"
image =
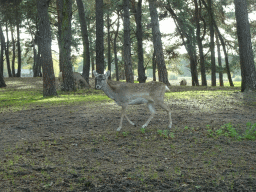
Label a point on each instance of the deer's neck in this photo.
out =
(109, 91)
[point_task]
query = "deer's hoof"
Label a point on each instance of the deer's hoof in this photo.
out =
(119, 128)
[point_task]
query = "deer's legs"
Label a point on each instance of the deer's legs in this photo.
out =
(152, 111)
(129, 120)
(166, 108)
(122, 117)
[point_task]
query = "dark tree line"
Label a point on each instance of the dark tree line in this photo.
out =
(194, 26)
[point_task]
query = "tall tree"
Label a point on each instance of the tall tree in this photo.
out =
(158, 48)
(2, 83)
(45, 43)
(186, 31)
(86, 52)
(115, 49)
(223, 46)
(109, 46)
(18, 40)
(219, 62)
(139, 34)
(99, 37)
(65, 39)
(212, 44)
(7, 52)
(13, 52)
(127, 43)
(59, 6)
(2, 50)
(245, 46)
(199, 42)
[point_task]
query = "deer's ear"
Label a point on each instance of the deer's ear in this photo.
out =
(107, 73)
(95, 73)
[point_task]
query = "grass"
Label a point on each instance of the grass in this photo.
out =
(14, 100)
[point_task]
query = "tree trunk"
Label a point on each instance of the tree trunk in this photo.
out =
(109, 47)
(127, 43)
(158, 48)
(99, 37)
(19, 51)
(86, 53)
(219, 62)
(245, 46)
(45, 44)
(2, 83)
(212, 45)
(92, 50)
(200, 45)
(154, 66)
(65, 40)
(38, 72)
(139, 34)
(59, 5)
(35, 73)
(7, 53)
(115, 51)
(2, 51)
(13, 52)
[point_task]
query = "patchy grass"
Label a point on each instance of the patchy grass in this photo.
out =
(70, 142)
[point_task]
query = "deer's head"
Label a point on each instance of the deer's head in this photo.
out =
(100, 79)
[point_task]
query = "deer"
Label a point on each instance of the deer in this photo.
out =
(78, 79)
(124, 94)
(183, 82)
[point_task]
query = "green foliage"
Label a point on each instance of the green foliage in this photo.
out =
(165, 133)
(125, 134)
(250, 132)
(142, 130)
(228, 130)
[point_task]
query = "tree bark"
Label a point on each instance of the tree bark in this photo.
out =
(2, 83)
(65, 39)
(7, 53)
(2, 51)
(59, 5)
(115, 50)
(245, 46)
(219, 62)
(200, 45)
(139, 34)
(158, 48)
(212, 45)
(13, 52)
(127, 44)
(109, 47)
(86, 53)
(19, 50)
(154, 66)
(45, 44)
(99, 37)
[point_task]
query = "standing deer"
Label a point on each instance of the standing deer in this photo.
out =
(125, 94)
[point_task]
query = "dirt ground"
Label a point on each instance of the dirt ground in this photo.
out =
(77, 148)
